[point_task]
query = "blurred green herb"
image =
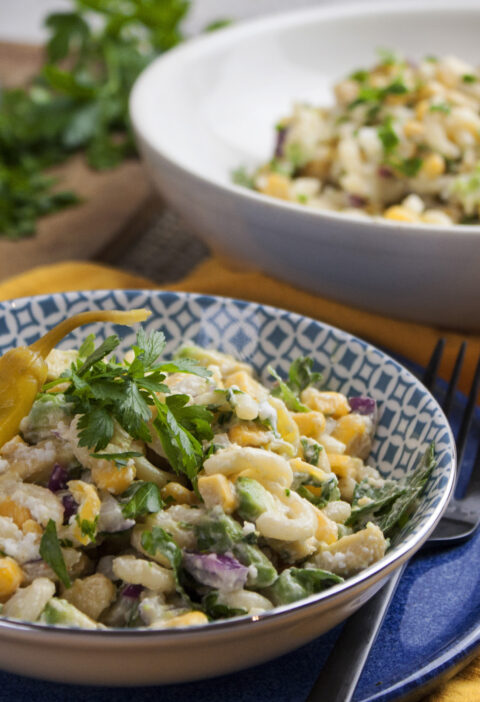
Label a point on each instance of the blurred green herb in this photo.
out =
(79, 101)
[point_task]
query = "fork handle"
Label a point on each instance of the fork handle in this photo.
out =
(340, 674)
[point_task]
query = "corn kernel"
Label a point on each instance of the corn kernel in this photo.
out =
(310, 423)
(421, 109)
(30, 526)
(342, 465)
(248, 435)
(107, 476)
(299, 466)
(433, 166)
(400, 214)
(349, 428)
(276, 185)
(215, 490)
(245, 382)
(17, 513)
(10, 577)
(88, 511)
(286, 427)
(188, 619)
(412, 128)
(180, 494)
(327, 529)
(331, 404)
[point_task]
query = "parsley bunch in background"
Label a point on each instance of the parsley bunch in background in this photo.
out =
(79, 101)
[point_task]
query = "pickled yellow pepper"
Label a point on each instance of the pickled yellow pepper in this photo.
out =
(23, 370)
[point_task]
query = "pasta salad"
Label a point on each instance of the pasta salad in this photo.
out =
(401, 142)
(170, 493)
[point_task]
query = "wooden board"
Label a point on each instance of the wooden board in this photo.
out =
(111, 198)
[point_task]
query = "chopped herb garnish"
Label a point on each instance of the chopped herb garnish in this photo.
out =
(469, 78)
(240, 176)
(387, 57)
(390, 505)
(311, 451)
(104, 391)
(120, 459)
(360, 76)
(79, 101)
(441, 107)
(408, 167)
(387, 135)
(369, 93)
(141, 498)
(52, 554)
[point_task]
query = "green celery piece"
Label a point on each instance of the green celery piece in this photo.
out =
(217, 610)
(253, 499)
(264, 574)
(296, 583)
(217, 532)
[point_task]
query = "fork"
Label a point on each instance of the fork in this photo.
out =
(337, 681)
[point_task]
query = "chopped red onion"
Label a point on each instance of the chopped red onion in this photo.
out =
(70, 507)
(363, 404)
(281, 136)
(356, 200)
(385, 172)
(132, 591)
(220, 571)
(58, 478)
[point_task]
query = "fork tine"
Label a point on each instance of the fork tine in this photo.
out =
(431, 370)
(468, 415)
(452, 386)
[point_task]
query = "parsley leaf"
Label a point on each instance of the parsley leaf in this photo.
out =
(387, 135)
(159, 541)
(94, 53)
(390, 505)
(300, 374)
(142, 498)
(120, 459)
(96, 428)
(98, 354)
(285, 392)
(52, 554)
(311, 451)
(104, 391)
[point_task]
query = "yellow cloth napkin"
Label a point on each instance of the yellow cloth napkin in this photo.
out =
(413, 341)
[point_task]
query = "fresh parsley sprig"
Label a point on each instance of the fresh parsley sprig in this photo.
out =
(52, 554)
(79, 100)
(103, 391)
(300, 376)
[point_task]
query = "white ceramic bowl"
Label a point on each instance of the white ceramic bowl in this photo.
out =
(209, 106)
(409, 420)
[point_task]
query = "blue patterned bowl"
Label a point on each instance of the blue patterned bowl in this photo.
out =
(409, 420)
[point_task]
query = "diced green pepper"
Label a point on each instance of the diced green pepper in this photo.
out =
(253, 499)
(264, 573)
(296, 583)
